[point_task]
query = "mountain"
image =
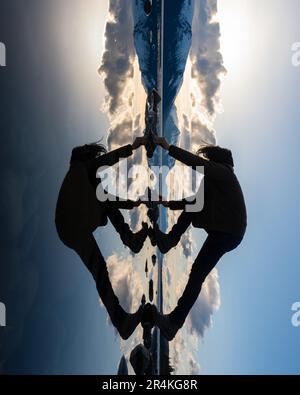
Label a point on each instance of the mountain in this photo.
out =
(177, 33)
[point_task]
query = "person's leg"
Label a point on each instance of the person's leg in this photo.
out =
(214, 247)
(166, 241)
(91, 256)
(134, 241)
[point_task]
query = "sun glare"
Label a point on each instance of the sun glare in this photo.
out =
(238, 33)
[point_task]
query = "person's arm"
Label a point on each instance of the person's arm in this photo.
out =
(110, 200)
(113, 157)
(212, 169)
(178, 153)
(179, 204)
(186, 157)
(124, 204)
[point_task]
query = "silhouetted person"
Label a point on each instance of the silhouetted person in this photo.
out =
(223, 217)
(79, 213)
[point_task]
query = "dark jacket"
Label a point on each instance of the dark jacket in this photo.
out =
(78, 210)
(224, 206)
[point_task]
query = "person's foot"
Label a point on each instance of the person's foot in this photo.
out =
(167, 327)
(138, 239)
(127, 323)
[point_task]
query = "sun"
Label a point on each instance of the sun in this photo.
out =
(238, 35)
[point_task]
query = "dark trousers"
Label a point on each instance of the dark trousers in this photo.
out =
(214, 247)
(87, 248)
(84, 244)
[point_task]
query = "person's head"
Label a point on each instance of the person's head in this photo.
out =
(87, 152)
(217, 154)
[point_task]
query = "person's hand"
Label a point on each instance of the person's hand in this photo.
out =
(162, 142)
(138, 142)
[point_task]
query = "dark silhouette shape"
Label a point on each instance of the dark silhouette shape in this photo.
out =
(140, 360)
(223, 217)
(79, 213)
(217, 154)
(123, 368)
(151, 121)
(165, 363)
(134, 241)
(151, 290)
(147, 324)
(148, 7)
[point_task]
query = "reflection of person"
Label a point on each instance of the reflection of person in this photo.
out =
(148, 7)
(151, 121)
(79, 213)
(223, 217)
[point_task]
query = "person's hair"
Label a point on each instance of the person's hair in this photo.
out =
(87, 152)
(217, 154)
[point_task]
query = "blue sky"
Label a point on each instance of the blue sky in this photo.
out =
(53, 97)
(252, 332)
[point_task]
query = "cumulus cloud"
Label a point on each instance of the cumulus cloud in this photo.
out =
(207, 61)
(183, 355)
(118, 58)
(120, 134)
(210, 293)
(209, 301)
(186, 243)
(125, 281)
(118, 71)
(129, 289)
(200, 134)
(185, 345)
